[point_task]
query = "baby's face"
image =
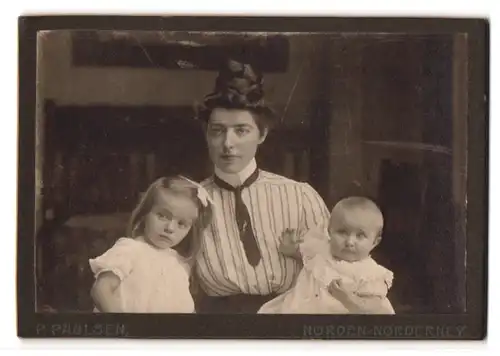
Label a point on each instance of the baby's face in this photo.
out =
(170, 220)
(354, 232)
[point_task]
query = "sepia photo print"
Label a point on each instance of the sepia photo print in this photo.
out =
(282, 173)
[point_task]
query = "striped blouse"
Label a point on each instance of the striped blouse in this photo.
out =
(274, 203)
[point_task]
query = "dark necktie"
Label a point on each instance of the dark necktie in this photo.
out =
(243, 218)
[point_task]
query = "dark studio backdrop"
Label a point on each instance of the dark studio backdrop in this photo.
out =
(378, 115)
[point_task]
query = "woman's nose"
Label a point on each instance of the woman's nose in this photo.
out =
(229, 139)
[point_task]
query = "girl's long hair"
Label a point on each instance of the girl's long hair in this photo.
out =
(190, 246)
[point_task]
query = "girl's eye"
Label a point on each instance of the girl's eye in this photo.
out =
(183, 224)
(162, 215)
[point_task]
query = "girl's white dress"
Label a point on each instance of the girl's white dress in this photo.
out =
(310, 295)
(152, 280)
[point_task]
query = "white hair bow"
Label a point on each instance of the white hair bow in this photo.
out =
(202, 193)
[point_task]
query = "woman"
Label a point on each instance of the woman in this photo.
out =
(244, 263)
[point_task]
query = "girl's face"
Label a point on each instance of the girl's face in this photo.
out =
(354, 233)
(169, 220)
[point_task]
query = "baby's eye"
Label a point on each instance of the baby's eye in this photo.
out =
(343, 232)
(361, 235)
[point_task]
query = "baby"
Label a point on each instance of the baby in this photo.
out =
(339, 276)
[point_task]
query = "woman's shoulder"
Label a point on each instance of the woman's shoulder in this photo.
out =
(273, 178)
(301, 187)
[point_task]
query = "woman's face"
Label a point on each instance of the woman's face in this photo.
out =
(232, 138)
(169, 220)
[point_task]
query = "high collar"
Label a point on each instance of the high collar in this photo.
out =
(236, 179)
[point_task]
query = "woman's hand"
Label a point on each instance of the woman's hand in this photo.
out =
(289, 244)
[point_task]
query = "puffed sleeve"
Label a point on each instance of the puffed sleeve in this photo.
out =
(118, 259)
(378, 286)
(322, 271)
(314, 214)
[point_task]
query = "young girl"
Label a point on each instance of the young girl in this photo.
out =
(339, 276)
(148, 272)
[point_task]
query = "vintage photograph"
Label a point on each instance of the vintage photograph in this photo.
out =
(251, 172)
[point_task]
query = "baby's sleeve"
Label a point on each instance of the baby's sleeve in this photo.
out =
(314, 250)
(315, 242)
(320, 269)
(378, 286)
(118, 259)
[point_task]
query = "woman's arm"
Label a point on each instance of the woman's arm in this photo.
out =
(315, 213)
(104, 293)
(314, 217)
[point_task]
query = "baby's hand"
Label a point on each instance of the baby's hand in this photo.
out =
(338, 290)
(289, 245)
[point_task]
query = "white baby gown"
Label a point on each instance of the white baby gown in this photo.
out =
(152, 280)
(309, 295)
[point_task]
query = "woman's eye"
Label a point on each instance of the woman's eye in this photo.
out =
(242, 131)
(215, 131)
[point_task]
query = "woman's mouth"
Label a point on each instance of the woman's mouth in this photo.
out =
(229, 157)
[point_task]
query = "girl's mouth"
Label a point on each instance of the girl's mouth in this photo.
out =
(166, 238)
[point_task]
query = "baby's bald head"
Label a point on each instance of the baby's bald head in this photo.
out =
(358, 211)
